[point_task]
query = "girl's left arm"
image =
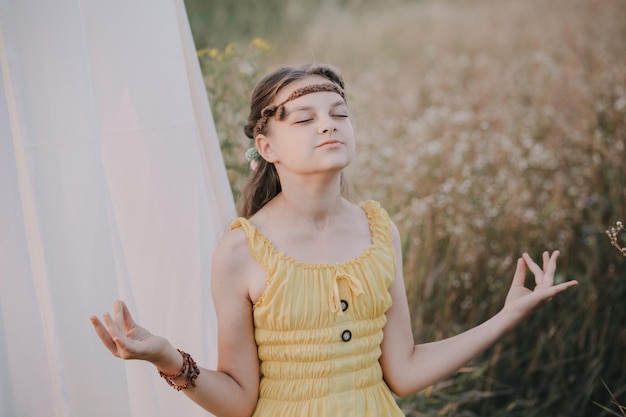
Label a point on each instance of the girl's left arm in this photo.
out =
(409, 368)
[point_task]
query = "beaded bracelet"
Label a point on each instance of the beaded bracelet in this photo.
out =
(189, 366)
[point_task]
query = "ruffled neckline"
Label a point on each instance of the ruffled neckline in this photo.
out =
(368, 208)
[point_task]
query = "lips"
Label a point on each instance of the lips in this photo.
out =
(330, 142)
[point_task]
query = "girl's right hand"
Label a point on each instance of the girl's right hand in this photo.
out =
(127, 340)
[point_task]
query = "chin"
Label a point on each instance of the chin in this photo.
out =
(338, 166)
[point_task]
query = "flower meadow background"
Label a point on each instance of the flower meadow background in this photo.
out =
(486, 128)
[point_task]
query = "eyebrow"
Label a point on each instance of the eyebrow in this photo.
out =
(305, 108)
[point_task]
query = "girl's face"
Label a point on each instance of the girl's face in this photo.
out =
(315, 134)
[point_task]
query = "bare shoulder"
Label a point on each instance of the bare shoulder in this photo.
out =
(232, 246)
(231, 260)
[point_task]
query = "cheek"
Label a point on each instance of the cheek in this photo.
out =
(348, 128)
(349, 132)
(349, 141)
(352, 149)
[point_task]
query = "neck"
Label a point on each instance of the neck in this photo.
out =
(312, 202)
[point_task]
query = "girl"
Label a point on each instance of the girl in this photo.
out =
(313, 318)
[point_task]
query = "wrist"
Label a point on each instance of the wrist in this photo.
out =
(185, 376)
(168, 360)
(508, 320)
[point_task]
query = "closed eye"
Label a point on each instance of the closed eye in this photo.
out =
(303, 121)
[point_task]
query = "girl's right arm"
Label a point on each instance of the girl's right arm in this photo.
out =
(232, 389)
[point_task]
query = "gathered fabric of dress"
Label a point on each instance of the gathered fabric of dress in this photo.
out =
(319, 327)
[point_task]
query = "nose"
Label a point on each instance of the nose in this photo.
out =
(328, 130)
(327, 125)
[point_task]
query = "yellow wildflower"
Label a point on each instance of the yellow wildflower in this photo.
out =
(260, 44)
(230, 49)
(211, 52)
(202, 52)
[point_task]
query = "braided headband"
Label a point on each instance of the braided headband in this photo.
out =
(278, 110)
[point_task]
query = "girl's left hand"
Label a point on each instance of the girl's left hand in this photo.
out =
(520, 301)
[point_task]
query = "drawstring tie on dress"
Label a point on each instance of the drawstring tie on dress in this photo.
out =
(355, 287)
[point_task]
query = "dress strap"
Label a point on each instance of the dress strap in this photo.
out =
(380, 222)
(259, 246)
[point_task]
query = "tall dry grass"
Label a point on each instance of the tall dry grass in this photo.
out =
(488, 128)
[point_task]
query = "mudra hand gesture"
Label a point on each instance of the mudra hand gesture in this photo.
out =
(125, 338)
(520, 300)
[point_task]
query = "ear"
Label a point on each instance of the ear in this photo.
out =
(264, 146)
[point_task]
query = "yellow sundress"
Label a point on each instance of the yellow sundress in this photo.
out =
(318, 328)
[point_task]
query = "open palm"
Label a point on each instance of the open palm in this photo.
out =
(124, 338)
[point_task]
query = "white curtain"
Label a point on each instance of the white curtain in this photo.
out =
(112, 185)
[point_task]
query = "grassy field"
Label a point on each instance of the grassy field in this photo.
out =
(486, 128)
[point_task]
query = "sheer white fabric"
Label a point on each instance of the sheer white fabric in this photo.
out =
(112, 185)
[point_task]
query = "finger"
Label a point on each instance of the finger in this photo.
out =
(545, 258)
(129, 323)
(564, 286)
(118, 313)
(519, 278)
(112, 327)
(103, 334)
(550, 268)
(122, 346)
(554, 290)
(539, 278)
(534, 268)
(120, 340)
